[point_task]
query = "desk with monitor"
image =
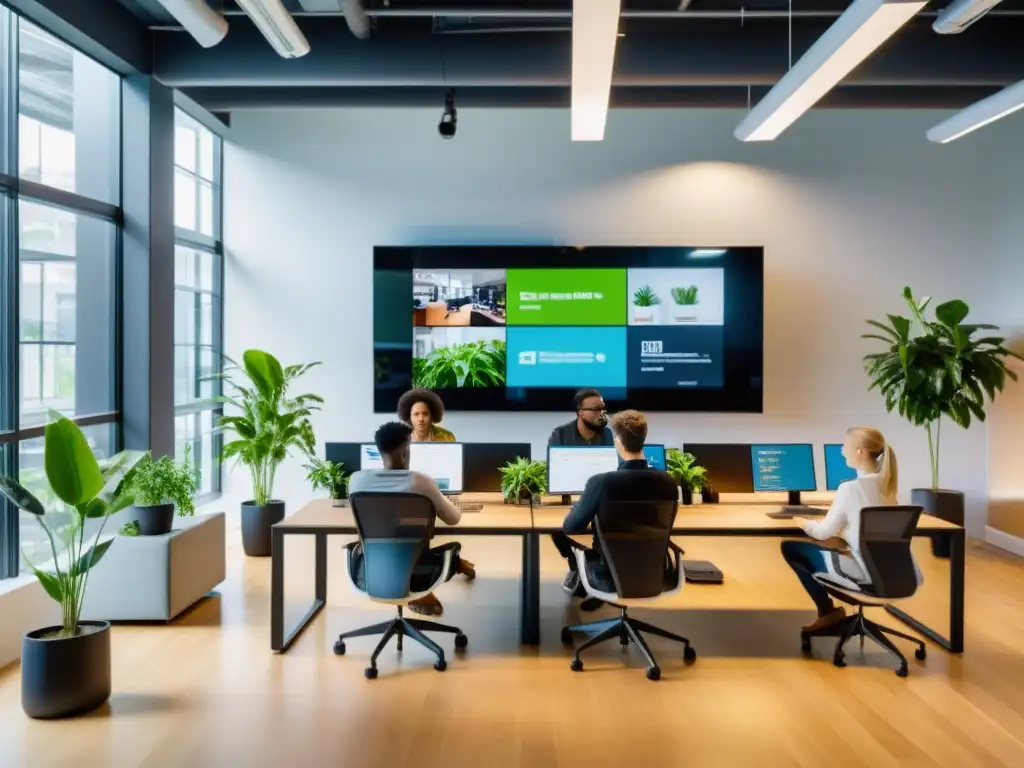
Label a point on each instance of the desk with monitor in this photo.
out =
(571, 466)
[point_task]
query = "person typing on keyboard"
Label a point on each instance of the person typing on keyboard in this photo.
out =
(866, 451)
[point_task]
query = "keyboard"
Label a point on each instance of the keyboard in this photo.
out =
(468, 506)
(803, 511)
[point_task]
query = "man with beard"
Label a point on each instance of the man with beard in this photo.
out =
(589, 428)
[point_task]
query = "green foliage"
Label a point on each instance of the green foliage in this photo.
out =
(935, 369)
(685, 296)
(523, 476)
(473, 364)
(90, 490)
(327, 475)
(684, 470)
(164, 481)
(646, 297)
(270, 423)
(131, 528)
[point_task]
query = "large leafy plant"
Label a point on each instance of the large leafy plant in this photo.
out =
(932, 370)
(685, 471)
(523, 477)
(473, 364)
(270, 422)
(91, 491)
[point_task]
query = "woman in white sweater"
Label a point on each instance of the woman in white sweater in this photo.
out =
(866, 451)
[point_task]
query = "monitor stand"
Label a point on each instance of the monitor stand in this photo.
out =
(566, 500)
(794, 499)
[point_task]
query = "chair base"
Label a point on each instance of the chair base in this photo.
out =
(627, 630)
(858, 625)
(401, 627)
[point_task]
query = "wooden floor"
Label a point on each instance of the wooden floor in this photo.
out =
(207, 691)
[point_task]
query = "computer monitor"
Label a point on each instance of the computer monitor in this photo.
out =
(655, 455)
(441, 461)
(570, 466)
(482, 471)
(783, 467)
(836, 469)
(727, 464)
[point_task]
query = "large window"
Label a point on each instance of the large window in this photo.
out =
(60, 147)
(198, 281)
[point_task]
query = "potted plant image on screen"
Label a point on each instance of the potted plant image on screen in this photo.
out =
(646, 304)
(684, 303)
(457, 358)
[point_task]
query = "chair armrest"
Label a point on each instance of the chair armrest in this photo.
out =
(577, 545)
(676, 548)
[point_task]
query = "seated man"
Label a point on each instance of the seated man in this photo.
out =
(633, 481)
(590, 425)
(393, 441)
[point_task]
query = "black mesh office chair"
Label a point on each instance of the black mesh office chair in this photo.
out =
(885, 536)
(634, 537)
(394, 533)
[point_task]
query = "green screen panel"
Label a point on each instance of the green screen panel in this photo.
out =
(566, 297)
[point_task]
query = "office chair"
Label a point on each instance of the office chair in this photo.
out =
(394, 532)
(634, 537)
(885, 536)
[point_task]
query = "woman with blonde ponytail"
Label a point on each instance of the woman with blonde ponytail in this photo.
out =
(876, 485)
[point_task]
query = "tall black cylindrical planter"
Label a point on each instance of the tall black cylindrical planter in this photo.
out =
(685, 495)
(945, 505)
(155, 520)
(61, 677)
(256, 522)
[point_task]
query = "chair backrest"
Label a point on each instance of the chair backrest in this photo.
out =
(394, 530)
(885, 536)
(634, 539)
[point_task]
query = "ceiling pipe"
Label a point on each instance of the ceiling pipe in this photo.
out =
(206, 26)
(356, 18)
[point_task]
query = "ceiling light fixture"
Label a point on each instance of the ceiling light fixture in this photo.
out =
(277, 25)
(707, 253)
(595, 28)
(862, 28)
(205, 25)
(979, 114)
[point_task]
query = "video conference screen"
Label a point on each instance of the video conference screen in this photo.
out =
(523, 327)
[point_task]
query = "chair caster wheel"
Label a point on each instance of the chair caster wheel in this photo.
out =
(805, 643)
(839, 661)
(654, 673)
(576, 665)
(902, 671)
(371, 673)
(461, 641)
(440, 665)
(921, 654)
(566, 636)
(689, 654)
(339, 648)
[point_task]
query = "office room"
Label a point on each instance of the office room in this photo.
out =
(551, 383)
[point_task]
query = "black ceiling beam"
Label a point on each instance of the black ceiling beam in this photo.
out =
(237, 99)
(102, 29)
(653, 54)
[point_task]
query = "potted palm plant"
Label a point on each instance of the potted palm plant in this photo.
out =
(330, 476)
(936, 370)
(270, 424)
(685, 299)
(645, 305)
(523, 480)
(159, 487)
(65, 669)
(689, 475)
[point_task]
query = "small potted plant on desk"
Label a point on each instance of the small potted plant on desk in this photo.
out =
(687, 473)
(65, 669)
(932, 370)
(327, 475)
(161, 486)
(523, 481)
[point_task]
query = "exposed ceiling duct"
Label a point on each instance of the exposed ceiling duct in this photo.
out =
(356, 18)
(205, 25)
(958, 16)
(276, 24)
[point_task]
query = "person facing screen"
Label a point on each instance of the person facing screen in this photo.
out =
(633, 481)
(392, 440)
(866, 451)
(422, 409)
(590, 426)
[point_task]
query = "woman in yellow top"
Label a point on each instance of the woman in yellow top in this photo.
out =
(422, 409)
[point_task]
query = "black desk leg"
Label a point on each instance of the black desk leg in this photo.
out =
(955, 642)
(278, 641)
(530, 599)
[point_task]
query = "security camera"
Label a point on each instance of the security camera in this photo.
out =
(449, 118)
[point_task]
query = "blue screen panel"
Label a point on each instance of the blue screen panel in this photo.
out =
(836, 470)
(783, 467)
(566, 357)
(655, 455)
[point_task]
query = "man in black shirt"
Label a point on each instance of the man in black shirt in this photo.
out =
(633, 481)
(590, 426)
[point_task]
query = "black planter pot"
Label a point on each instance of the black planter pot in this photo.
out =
(686, 495)
(155, 520)
(256, 522)
(945, 505)
(61, 677)
(709, 496)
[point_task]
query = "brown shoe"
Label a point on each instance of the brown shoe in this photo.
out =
(826, 621)
(428, 605)
(466, 569)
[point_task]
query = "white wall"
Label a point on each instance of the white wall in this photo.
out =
(849, 206)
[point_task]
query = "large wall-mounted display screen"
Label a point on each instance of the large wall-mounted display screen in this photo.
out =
(523, 327)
